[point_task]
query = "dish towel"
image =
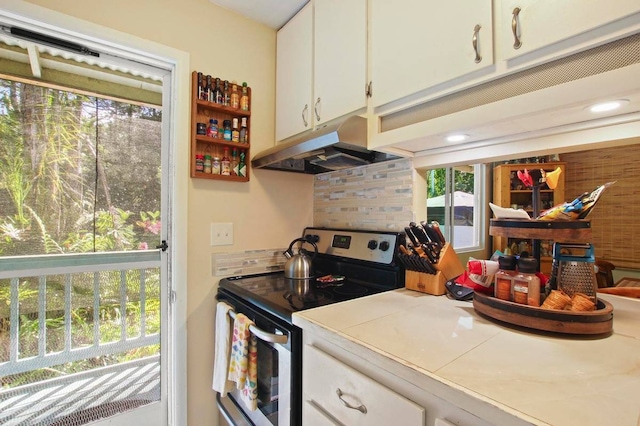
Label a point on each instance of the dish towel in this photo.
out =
(243, 365)
(222, 350)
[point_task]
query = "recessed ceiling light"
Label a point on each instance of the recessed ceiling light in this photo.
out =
(457, 138)
(607, 106)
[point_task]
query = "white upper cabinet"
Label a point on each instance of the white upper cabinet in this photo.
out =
(340, 65)
(321, 65)
(294, 76)
(534, 24)
(418, 44)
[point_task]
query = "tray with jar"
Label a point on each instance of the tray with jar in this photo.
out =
(598, 321)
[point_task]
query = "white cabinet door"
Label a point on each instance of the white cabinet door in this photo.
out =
(294, 77)
(350, 397)
(340, 58)
(540, 23)
(418, 44)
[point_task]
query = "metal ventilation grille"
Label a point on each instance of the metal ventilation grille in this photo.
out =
(610, 56)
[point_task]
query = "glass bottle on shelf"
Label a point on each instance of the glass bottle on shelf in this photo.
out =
(226, 94)
(226, 130)
(210, 89)
(216, 165)
(244, 135)
(207, 163)
(242, 167)
(225, 163)
(217, 92)
(235, 96)
(235, 133)
(244, 97)
(199, 163)
(234, 162)
(212, 130)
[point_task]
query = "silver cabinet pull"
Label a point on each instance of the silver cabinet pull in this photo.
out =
(514, 28)
(360, 408)
(305, 111)
(315, 108)
(263, 335)
(476, 31)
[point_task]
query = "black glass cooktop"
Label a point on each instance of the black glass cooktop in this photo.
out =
(282, 296)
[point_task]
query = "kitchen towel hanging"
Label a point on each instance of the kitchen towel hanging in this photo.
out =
(243, 363)
(222, 348)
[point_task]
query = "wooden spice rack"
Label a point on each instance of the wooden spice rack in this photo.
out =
(597, 322)
(201, 112)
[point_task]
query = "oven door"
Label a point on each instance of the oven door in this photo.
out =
(274, 374)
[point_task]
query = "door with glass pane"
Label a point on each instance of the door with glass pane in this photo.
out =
(82, 268)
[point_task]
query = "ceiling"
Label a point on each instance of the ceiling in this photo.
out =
(272, 13)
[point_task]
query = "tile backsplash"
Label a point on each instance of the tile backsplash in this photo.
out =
(247, 262)
(377, 196)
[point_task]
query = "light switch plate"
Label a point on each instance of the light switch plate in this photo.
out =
(221, 234)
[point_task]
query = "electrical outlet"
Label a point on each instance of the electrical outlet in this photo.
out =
(221, 234)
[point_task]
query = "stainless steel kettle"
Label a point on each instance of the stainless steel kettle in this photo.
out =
(299, 266)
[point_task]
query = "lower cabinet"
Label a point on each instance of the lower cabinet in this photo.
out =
(335, 393)
(346, 384)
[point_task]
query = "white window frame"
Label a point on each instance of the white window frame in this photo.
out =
(177, 64)
(479, 214)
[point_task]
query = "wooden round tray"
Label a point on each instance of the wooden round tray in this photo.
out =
(559, 230)
(595, 322)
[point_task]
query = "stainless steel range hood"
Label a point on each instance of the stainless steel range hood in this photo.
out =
(338, 145)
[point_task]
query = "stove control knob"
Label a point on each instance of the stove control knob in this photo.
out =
(312, 238)
(373, 244)
(384, 245)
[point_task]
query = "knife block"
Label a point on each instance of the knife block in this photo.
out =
(448, 267)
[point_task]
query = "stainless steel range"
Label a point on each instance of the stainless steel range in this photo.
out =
(349, 264)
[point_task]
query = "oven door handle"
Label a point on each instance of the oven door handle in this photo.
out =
(263, 335)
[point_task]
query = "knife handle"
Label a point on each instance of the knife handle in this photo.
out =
(436, 227)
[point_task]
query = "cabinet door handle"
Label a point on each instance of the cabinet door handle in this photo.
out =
(474, 41)
(315, 108)
(305, 111)
(514, 28)
(360, 408)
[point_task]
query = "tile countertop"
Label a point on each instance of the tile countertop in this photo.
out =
(539, 378)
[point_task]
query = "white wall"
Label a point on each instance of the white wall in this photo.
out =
(270, 210)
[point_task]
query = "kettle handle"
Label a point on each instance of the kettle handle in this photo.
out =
(303, 240)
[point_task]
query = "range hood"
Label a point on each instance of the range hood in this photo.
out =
(337, 145)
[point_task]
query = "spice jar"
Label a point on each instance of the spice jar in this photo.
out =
(234, 100)
(244, 97)
(207, 163)
(526, 284)
(201, 128)
(212, 130)
(199, 163)
(227, 130)
(215, 166)
(504, 277)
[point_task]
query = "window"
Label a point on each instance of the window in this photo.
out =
(455, 199)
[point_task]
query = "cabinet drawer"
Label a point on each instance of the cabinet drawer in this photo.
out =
(331, 385)
(314, 416)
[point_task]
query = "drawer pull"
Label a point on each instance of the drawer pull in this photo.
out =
(316, 109)
(305, 111)
(360, 408)
(476, 31)
(514, 28)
